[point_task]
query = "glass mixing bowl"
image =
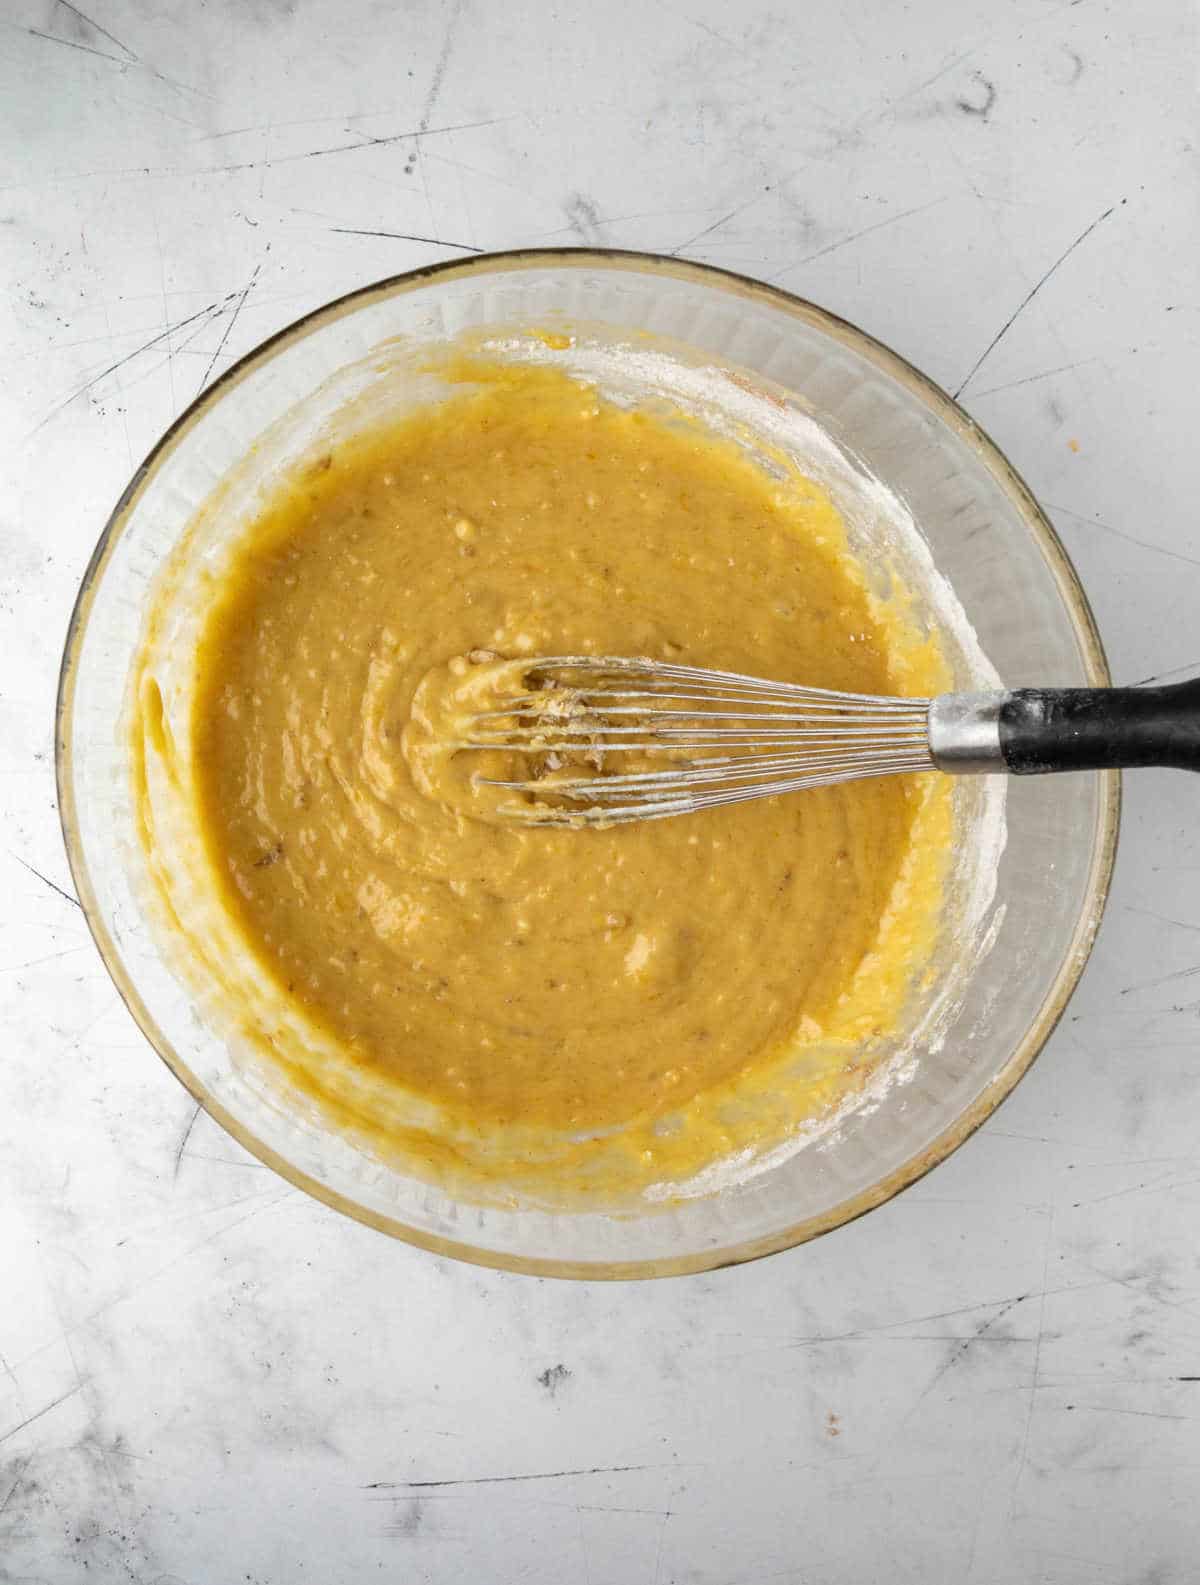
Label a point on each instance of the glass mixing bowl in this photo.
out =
(877, 418)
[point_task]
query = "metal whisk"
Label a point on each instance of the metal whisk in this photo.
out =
(612, 739)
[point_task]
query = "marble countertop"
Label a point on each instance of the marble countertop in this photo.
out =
(993, 1380)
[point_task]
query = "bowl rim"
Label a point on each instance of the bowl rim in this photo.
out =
(936, 400)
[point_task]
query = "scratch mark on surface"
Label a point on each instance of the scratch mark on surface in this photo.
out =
(721, 38)
(845, 242)
(975, 1529)
(96, 28)
(1145, 1291)
(865, 1334)
(1151, 1187)
(70, 1393)
(439, 70)
(1160, 676)
(336, 148)
(1027, 299)
(525, 189)
(928, 82)
(162, 278)
(233, 319)
(50, 957)
(211, 309)
(1029, 379)
(221, 1232)
(432, 95)
(1147, 1414)
(115, 60)
(187, 1134)
(182, 348)
(295, 121)
(46, 881)
(1163, 979)
(979, 1335)
(1149, 913)
(20, 1476)
(228, 1161)
(500, 1480)
(716, 225)
(1023, 1460)
(404, 236)
(1145, 544)
(73, 44)
(657, 1513)
(658, 1555)
(66, 1333)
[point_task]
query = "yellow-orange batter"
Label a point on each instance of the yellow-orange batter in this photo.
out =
(608, 1007)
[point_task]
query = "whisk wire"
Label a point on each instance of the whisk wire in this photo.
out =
(784, 737)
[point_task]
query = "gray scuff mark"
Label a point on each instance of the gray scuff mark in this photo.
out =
(434, 91)
(1028, 298)
(583, 218)
(554, 1377)
(409, 1522)
(983, 108)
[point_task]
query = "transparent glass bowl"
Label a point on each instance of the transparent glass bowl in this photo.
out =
(987, 538)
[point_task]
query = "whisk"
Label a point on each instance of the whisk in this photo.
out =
(615, 739)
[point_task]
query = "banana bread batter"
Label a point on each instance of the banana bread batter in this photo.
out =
(601, 1008)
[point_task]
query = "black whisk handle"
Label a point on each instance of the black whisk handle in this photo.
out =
(1061, 729)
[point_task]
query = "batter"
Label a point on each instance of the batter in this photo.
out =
(606, 1008)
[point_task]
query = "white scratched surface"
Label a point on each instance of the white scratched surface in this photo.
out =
(995, 1379)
